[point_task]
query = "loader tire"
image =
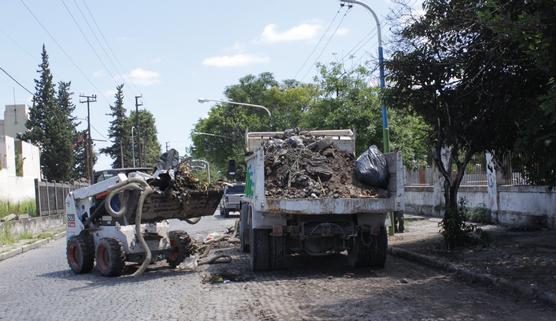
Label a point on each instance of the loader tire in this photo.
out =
(379, 248)
(80, 253)
(110, 257)
(180, 247)
(359, 254)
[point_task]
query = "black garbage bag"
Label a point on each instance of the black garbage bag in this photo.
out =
(371, 168)
(168, 160)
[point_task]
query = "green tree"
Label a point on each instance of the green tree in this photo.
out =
(80, 151)
(119, 133)
(286, 101)
(150, 146)
(50, 125)
(449, 68)
(531, 25)
(347, 101)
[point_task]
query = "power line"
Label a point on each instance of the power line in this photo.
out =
(328, 42)
(359, 45)
(318, 44)
(15, 80)
(87, 40)
(61, 48)
(118, 63)
(17, 44)
(97, 39)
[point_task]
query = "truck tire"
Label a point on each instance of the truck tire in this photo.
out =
(110, 257)
(359, 254)
(180, 247)
(244, 228)
(259, 245)
(379, 248)
(80, 253)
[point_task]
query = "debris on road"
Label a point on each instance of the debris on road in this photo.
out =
(299, 165)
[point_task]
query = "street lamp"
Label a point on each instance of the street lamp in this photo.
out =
(204, 100)
(207, 134)
(385, 129)
(207, 164)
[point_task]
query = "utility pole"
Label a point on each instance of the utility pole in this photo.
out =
(167, 146)
(89, 99)
(137, 131)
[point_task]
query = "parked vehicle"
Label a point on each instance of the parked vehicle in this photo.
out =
(271, 228)
(231, 201)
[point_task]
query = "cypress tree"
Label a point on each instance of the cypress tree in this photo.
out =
(119, 132)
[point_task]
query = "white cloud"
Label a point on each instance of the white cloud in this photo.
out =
(305, 31)
(236, 60)
(342, 31)
(109, 93)
(99, 74)
(143, 77)
(157, 60)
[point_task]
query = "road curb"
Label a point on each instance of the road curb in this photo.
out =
(482, 278)
(31, 246)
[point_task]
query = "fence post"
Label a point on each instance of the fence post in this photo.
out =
(492, 187)
(37, 198)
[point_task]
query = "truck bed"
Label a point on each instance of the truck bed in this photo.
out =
(339, 206)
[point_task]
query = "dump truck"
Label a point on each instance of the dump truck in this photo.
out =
(271, 228)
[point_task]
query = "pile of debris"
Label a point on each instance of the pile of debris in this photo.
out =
(299, 165)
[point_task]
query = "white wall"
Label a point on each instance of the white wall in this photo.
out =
(518, 206)
(31, 160)
(15, 189)
(7, 155)
(15, 117)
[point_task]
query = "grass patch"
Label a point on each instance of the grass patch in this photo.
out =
(23, 207)
(44, 235)
(5, 236)
(25, 236)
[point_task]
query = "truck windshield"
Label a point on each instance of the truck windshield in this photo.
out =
(237, 189)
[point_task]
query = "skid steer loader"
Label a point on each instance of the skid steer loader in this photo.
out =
(124, 219)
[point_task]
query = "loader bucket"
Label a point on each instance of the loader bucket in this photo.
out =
(158, 207)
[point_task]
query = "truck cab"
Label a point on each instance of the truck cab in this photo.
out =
(231, 200)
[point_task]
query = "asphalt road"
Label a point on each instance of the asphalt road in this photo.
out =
(38, 285)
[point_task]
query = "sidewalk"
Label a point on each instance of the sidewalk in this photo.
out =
(527, 259)
(23, 245)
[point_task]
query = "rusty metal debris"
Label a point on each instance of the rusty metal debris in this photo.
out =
(298, 165)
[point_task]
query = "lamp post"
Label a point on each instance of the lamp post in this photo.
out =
(207, 164)
(385, 129)
(204, 100)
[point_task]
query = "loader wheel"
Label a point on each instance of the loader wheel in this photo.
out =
(379, 248)
(359, 254)
(80, 252)
(180, 247)
(110, 257)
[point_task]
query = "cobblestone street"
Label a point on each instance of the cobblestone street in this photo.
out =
(38, 285)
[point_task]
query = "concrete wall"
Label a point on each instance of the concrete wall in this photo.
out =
(31, 157)
(16, 189)
(15, 117)
(7, 155)
(34, 225)
(518, 206)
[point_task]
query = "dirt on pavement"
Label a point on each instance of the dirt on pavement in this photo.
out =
(525, 257)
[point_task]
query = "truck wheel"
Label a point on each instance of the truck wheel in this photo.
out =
(259, 245)
(360, 252)
(379, 248)
(180, 247)
(110, 257)
(80, 252)
(244, 228)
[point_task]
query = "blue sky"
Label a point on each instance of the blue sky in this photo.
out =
(174, 52)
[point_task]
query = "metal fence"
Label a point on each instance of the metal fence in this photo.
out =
(509, 172)
(50, 196)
